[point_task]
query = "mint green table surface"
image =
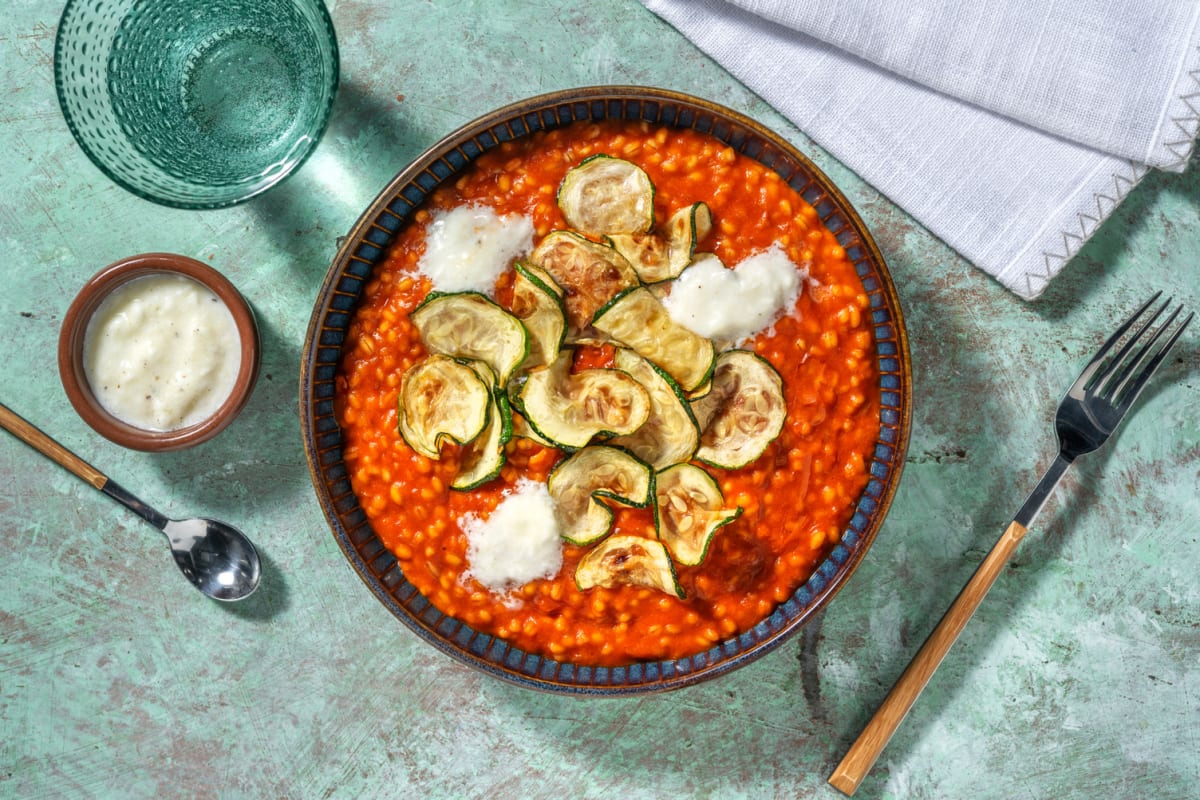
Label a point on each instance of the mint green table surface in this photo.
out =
(1078, 678)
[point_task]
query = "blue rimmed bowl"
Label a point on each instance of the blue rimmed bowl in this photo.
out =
(367, 244)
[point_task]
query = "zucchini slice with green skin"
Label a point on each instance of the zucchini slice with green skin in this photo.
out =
(580, 484)
(604, 195)
(649, 254)
(538, 303)
(742, 413)
(523, 429)
(670, 433)
(628, 560)
(470, 325)
(663, 257)
(442, 398)
(689, 509)
(698, 392)
(570, 409)
(589, 273)
(639, 320)
(685, 230)
(483, 458)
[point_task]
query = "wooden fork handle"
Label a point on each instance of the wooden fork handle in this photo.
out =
(866, 749)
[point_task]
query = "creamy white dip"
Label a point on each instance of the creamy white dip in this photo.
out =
(162, 352)
(517, 543)
(466, 248)
(735, 304)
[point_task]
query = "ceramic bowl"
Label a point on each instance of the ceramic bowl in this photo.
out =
(74, 331)
(366, 246)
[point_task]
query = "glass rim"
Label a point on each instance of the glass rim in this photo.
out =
(234, 194)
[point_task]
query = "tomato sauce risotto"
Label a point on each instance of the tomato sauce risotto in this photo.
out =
(786, 507)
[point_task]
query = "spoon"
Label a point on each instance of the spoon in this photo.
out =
(217, 558)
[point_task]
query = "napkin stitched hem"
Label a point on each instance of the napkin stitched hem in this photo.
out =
(1058, 247)
(1183, 112)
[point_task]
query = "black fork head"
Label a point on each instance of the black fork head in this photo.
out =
(1108, 386)
(1123, 376)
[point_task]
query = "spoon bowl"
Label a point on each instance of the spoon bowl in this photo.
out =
(216, 557)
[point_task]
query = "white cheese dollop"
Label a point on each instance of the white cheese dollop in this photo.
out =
(735, 304)
(162, 352)
(466, 248)
(519, 542)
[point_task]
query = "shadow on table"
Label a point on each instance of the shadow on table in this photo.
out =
(1045, 545)
(749, 733)
(368, 141)
(270, 600)
(1079, 282)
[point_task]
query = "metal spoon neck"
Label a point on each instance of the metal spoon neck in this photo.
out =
(134, 504)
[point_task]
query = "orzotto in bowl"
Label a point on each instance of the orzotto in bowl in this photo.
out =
(366, 248)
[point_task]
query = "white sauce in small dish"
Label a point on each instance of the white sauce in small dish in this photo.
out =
(162, 352)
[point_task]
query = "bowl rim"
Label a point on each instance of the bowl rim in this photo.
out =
(368, 240)
(74, 330)
(233, 199)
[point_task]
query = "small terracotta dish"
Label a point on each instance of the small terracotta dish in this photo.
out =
(72, 360)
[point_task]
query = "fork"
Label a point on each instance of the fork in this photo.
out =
(1087, 416)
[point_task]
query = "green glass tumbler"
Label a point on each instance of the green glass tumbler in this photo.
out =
(196, 103)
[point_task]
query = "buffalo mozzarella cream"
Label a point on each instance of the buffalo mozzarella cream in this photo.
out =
(517, 543)
(162, 352)
(734, 304)
(467, 248)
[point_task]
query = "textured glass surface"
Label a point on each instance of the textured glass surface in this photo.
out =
(196, 103)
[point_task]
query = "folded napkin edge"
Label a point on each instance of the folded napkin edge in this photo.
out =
(1023, 267)
(1075, 222)
(1172, 146)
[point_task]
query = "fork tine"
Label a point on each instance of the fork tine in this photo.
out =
(1124, 396)
(1105, 351)
(1122, 367)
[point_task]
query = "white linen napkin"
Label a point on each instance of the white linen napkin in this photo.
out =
(1010, 129)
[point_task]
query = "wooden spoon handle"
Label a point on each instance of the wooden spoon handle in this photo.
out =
(874, 737)
(32, 436)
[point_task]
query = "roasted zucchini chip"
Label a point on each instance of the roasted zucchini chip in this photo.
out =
(589, 337)
(482, 459)
(638, 320)
(699, 391)
(442, 398)
(670, 433)
(629, 560)
(688, 510)
(523, 429)
(538, 303)
(658, 257)
(605, 195)
(469, 325)
(649, 254)
(580, 485)
(686, 228)
(590, 273)
(569, 409)
(742, 413)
